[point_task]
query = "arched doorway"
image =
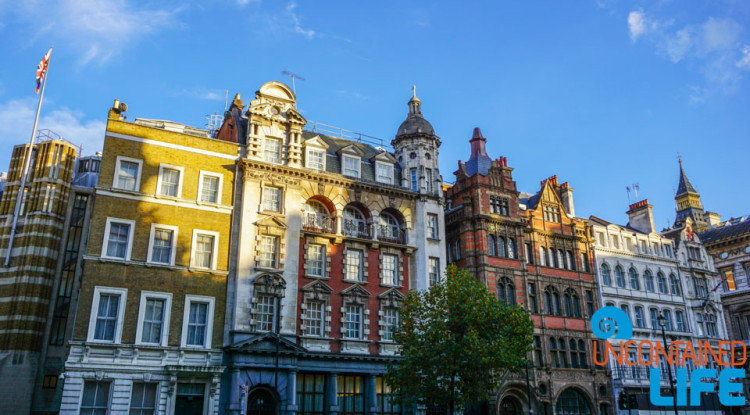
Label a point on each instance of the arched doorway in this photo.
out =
(261, 401)
(572, 402)
(509, 406)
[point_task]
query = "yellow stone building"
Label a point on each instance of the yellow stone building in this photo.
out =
(148, 332)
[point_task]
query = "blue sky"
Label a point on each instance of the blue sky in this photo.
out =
(602, 93)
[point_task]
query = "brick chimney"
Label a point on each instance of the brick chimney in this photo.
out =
(566, 196)
(641, 217)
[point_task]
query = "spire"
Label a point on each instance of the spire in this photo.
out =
(684, 186)
(479, 161)
(414, 102)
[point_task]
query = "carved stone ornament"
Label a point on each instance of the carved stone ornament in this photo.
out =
(321, 188)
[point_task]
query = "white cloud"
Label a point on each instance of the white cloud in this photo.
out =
(17, 120)
(290, 9)
(245, 2)
(744, 62)
(636, 24)
(99, 30)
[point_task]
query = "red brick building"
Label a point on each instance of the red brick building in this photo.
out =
(532, 251)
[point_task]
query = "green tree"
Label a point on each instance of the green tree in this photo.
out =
(458, 342)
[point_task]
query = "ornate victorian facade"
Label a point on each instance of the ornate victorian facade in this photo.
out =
(532, 251)
(331, 234)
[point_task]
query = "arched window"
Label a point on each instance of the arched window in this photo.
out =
(662, 281)
(572, 402)
(457, 250)
(680, 320)
(568, 304)
(571, 261)
(584, 262)
(389, 226)
(354, 223)
(576, 306)
(654, 318)
(563, 354)
(560, 259)
(668, 320)
(626, 309)
(634, 284)
(552, 300)
(675, 283)
(619, 277)
(572, 304)
(552, 258)
(501, 247)
(606, 278)
(639, 317)
(582, 354)
(649, 278)
(554, 353)
(506, 291)
(573, 354)
(491, 245)
(315, 216)
(542, 256)
(511, 248)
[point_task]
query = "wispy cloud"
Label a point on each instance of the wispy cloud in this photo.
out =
(245, 2)
(17, 120)
(714, 46)
(297, 25)
(420, 18)
(98, 30)
(351, 94)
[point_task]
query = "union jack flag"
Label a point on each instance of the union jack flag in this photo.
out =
(41, 70)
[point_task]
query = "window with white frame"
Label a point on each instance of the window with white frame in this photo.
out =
(384, 172)
(353, 328)
(118, 238)
(315, 159)
(434, 271)
(272, 150)
(269, 251)
(265, 315)
(197, 322)
(209, 187)
(314, 318)
(143, 398)
(153, 318)
(127, 174)
(271, 199)
(108, 309)
(354, 265)
(95, 399)
(162, 244)
(204, 249)
(389, 269)
(316, 260)
(352, 166)
(169, 182)
(432, 226)
(389, 323)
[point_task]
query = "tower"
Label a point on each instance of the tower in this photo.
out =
(416, 149)
(689, 204)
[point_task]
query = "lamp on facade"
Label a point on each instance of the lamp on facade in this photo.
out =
(663, 324)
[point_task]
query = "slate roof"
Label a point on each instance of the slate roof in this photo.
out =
(684, 186)
(726, 231)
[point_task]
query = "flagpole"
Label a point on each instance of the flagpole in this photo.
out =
(24, 172)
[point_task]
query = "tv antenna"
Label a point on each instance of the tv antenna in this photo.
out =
(293, 76)
(627, 189)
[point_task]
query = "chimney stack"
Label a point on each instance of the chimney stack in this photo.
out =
(641, 217)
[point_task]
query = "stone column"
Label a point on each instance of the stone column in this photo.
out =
(374, 225)
(235, 400)
(333, 394)
(371, 398)
(291, 391)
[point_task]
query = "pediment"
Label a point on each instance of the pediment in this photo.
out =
(294, 116)
(271, 221)
(385, 157)
(316, 142)
(352, 150)
(355, 290)
(392, 294)
(276, 90)
(317, 286)
(266, 342)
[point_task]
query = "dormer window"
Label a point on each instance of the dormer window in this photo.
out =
(384, 172)
(316, 159)
(351, 166)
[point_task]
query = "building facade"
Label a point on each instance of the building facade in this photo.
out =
(728, 244)
(330, 236)
(639, 272)
(533, 251)
(148, 328)
(28, 273)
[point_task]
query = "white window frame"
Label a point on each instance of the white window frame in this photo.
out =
(180, 180)
(154, 227)
(361, 329)
(321, 332)
(434, 230)
(189, 298)
(263, 190)
(203, 174)
(276, 254)
(384, 273)
(307, 158)
(389, 167)
(360, 275)
(145, 295)
(105, 242)
(358, 161)
(278, 154)
(309, 270)
(98, 291)
(116, 175)
(194, 244)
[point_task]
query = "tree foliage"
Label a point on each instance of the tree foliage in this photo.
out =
(457, 343)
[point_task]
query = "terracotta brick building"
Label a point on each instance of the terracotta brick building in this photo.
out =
(531, 250)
